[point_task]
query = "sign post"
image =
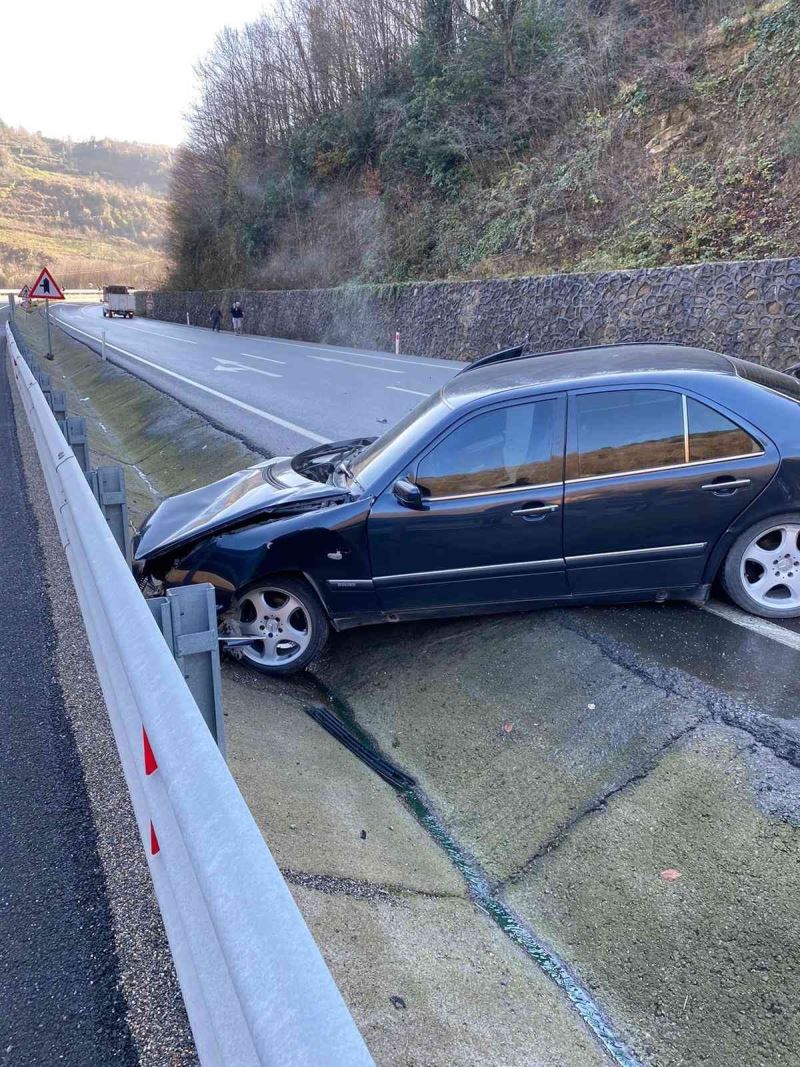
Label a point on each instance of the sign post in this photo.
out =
(24, 297)
(46, 288)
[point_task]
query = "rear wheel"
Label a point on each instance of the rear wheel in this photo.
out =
(287, 622)
(762, 569)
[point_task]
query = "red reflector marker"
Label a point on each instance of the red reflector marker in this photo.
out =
(155, 848)
(150, 764)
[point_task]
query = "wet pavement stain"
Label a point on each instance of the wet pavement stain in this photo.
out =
(729, 659)
(480, 889)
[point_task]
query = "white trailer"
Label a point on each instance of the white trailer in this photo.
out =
(118, 300)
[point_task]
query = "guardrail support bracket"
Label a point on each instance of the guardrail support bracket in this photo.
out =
(108, 486)
(187, 617)
(78, 440)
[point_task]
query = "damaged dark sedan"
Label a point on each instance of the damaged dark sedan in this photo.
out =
(621, 473)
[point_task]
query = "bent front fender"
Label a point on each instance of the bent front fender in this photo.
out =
(326, 545)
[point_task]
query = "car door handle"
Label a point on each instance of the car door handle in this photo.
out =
(726, 486)
(536, 509)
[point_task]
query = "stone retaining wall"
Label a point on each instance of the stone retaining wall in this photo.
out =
(748, 308)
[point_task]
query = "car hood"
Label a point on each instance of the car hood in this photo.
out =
(273, 488)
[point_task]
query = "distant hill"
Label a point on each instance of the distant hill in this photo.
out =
(93, 211)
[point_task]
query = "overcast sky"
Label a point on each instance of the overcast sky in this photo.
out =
(110, 69)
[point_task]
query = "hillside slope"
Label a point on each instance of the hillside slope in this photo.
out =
(564, 135)
(92, 211)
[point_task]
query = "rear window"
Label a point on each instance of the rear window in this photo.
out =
(775, 380)
(712, 436)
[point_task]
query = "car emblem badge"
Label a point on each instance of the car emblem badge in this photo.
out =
(337, 555)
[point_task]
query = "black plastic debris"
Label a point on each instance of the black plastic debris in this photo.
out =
(336, 728)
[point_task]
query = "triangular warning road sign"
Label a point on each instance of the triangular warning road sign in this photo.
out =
(24, 292)
(46, 288)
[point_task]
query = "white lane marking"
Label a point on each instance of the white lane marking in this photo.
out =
(762, 627)
(362, 355)
(351, 352)
(172, 337)
(394, 359)
(206, 389)
(266, 359)
(400, 389)
(232, 365)
(156, 334)
(363, 366)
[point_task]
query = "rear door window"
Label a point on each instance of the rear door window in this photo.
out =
(507, 448)
(713, 436)
(626, 430)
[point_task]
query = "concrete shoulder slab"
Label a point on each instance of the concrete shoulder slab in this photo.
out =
(321, 811)
(433, 983)
(677, 905)
(515, 726)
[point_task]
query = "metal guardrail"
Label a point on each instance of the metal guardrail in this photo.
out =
(256, 988)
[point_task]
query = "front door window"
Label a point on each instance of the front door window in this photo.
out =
(508, 448)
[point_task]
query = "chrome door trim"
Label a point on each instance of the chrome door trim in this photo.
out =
(639, 553)
(685, 407)
(488, 570)
(658, 470)
(493, 492)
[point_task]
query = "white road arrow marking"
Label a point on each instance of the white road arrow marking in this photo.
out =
(205, 388)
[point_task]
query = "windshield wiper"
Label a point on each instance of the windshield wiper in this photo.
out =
(343, 470)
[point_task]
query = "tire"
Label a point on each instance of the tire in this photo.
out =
(291, 607)
(762, 569)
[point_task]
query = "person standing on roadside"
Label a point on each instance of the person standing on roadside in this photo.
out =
(237, 314)
(216, 318)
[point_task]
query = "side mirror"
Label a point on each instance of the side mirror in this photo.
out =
(408, 494)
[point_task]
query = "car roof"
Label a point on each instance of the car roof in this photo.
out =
(580, 365)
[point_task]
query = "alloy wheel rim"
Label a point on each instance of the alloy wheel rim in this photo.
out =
(770, 567)
(278, 620)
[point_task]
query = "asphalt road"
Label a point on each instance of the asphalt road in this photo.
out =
(59, 987)
(282, 396)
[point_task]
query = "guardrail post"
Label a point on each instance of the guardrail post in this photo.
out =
(58, 404)
(108, 486)
(46, 386)
(77, 439)
(187, 617)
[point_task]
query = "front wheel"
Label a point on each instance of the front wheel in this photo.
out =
(287, 622)
(762, 568)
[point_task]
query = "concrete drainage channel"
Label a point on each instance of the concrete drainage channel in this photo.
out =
(339, 721)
